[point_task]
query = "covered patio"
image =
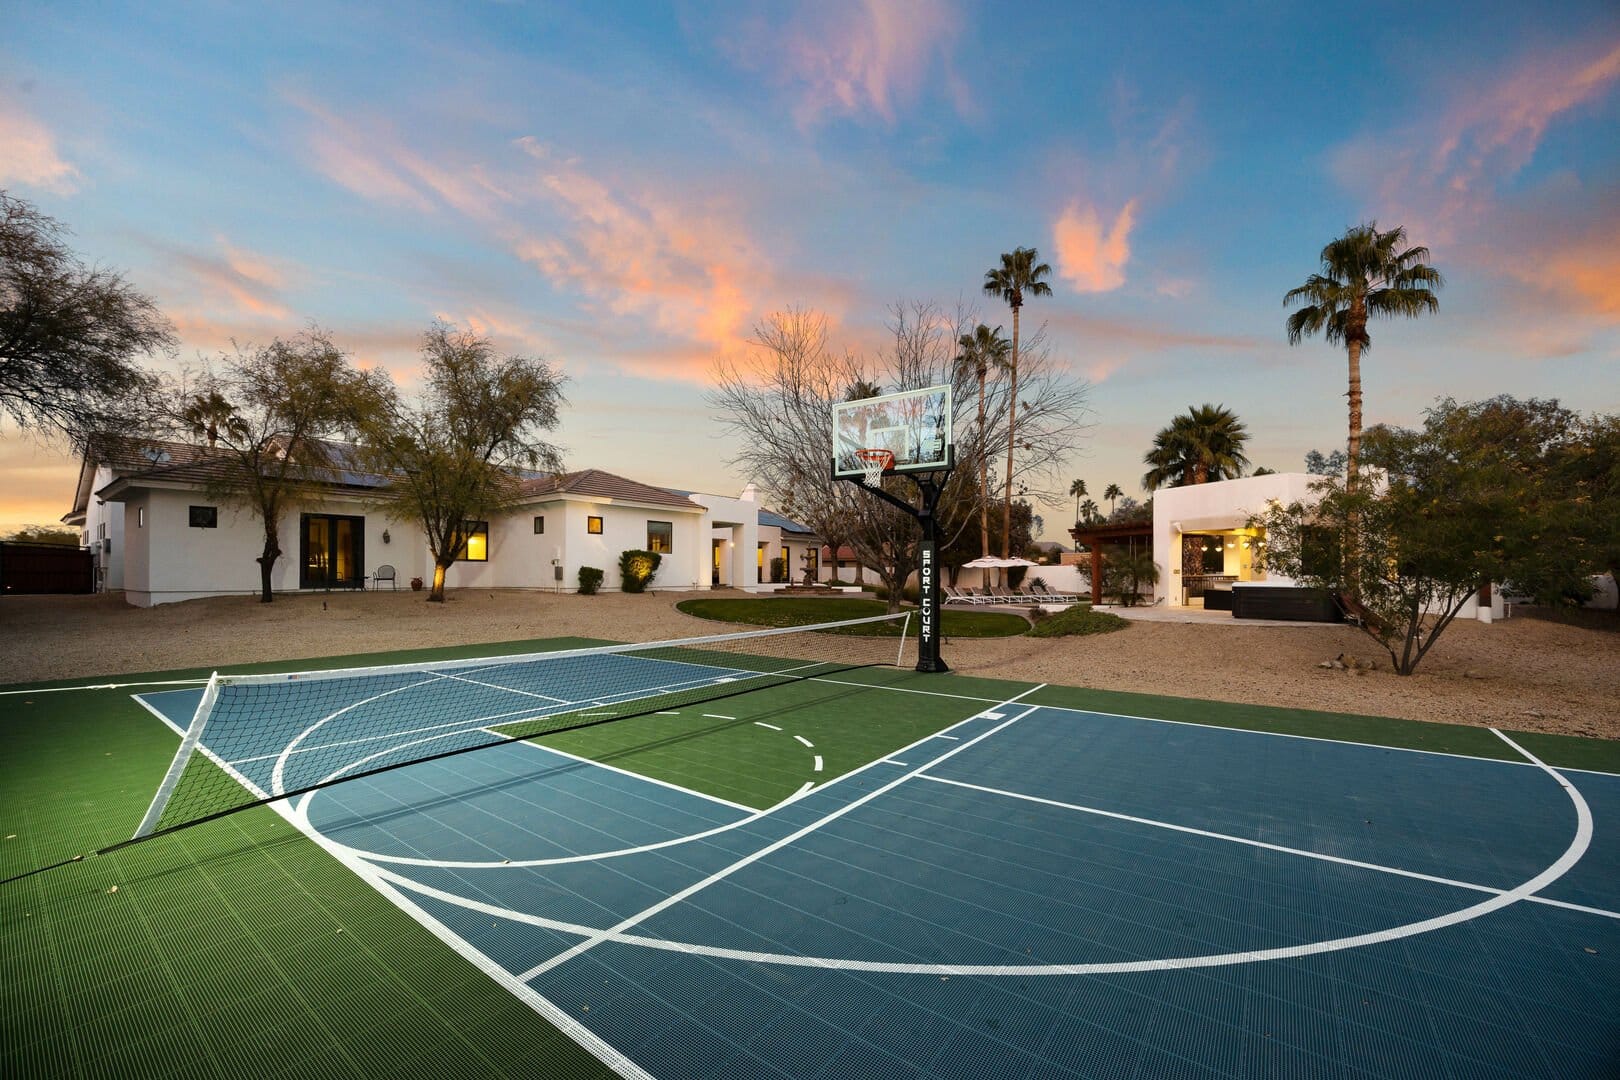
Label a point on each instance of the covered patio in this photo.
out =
(1094, 536)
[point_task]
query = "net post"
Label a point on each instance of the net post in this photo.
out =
(905, 628)
(188, 744)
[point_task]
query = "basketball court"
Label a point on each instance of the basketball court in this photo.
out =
(1019, 889)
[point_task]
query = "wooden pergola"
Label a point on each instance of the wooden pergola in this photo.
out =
(1095, 536)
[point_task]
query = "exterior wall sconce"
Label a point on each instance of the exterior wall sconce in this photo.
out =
(386, 538)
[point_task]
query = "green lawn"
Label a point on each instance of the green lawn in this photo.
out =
(801, 611)
(240, 947)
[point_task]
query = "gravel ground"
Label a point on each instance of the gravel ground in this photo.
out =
(1521, 673)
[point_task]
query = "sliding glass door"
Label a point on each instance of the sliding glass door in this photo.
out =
(332, 552)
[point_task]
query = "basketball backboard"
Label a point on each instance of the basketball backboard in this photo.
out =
(913, 425)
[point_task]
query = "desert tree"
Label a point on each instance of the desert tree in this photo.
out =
(1111, 493)
(1018, 275)
(1472, 497)
(777, 400)
(71, 335)
(453, 451)
(266, 415)
(1364, 274)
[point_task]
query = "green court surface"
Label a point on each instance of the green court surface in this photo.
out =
(242, 947)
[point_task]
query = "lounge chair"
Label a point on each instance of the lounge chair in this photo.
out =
(954, 595)
(1000, 595)
(1045, 592)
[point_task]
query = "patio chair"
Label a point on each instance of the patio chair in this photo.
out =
(384, 573)
(1000, 595)
(1046, 592)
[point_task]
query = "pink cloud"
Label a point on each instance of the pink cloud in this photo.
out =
(684, 263)
(232, 281)
(1543, 248)
(1444, 174)
(855, 57)
(371, 159)
(28, 153)
(1090, 256)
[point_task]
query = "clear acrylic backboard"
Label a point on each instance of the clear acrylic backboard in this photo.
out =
(913, 425)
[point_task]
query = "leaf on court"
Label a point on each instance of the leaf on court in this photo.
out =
(1591, 950)
(112, 890)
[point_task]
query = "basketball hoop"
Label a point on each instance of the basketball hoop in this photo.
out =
(873, 465)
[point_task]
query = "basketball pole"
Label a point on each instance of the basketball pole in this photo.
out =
(929, 610)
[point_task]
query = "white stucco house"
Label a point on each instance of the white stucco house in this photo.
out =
(1204, 548)
(159, 537)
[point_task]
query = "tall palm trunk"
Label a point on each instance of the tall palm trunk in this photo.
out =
(1012, 441)
(1352, 467)
(984, 481)
(1355, 336)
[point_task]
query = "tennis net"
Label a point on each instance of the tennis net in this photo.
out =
(256, 739)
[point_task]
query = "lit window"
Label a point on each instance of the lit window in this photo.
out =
(593, 525)
(661, 536)
(476, 546)
(539, 524)
(204, 517)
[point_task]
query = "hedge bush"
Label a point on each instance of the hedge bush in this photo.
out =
(1079, 619)
(636, 569)
(590, 579)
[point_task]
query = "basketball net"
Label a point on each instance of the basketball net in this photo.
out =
(873, 464)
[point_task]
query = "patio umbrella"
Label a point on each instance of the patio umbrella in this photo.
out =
(985, 562)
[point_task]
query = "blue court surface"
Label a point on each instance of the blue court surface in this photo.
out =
(1033, 892)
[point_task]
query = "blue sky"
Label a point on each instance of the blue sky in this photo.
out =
(627, 189)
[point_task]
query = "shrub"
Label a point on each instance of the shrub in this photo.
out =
(778, 570)
(590, 579)
(1079, 620)
(1015, 576)
(636, 569)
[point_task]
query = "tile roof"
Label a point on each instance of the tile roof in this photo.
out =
(604, 485)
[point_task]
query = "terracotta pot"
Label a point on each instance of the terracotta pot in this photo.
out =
(416, 584)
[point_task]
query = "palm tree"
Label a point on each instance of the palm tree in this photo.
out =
(1089, 509)
(1364, 273)
(860, 390)
(1204, 444)
(1111, 494)
(1018, 274)
(1078, 490)
(981, 350)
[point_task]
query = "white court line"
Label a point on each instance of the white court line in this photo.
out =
(748, 860)
(507, 689)
(638, 776)
(763, 724)
(1220, 727)
(891, 761)
(951, 737)
(817, 767)
(717, 716)
(805, 741)
(755, 815)
(1561, 866)
(1247, 842)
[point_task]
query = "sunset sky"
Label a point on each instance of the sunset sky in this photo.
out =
(626, 189)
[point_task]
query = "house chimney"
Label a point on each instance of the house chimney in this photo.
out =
(749, 493)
